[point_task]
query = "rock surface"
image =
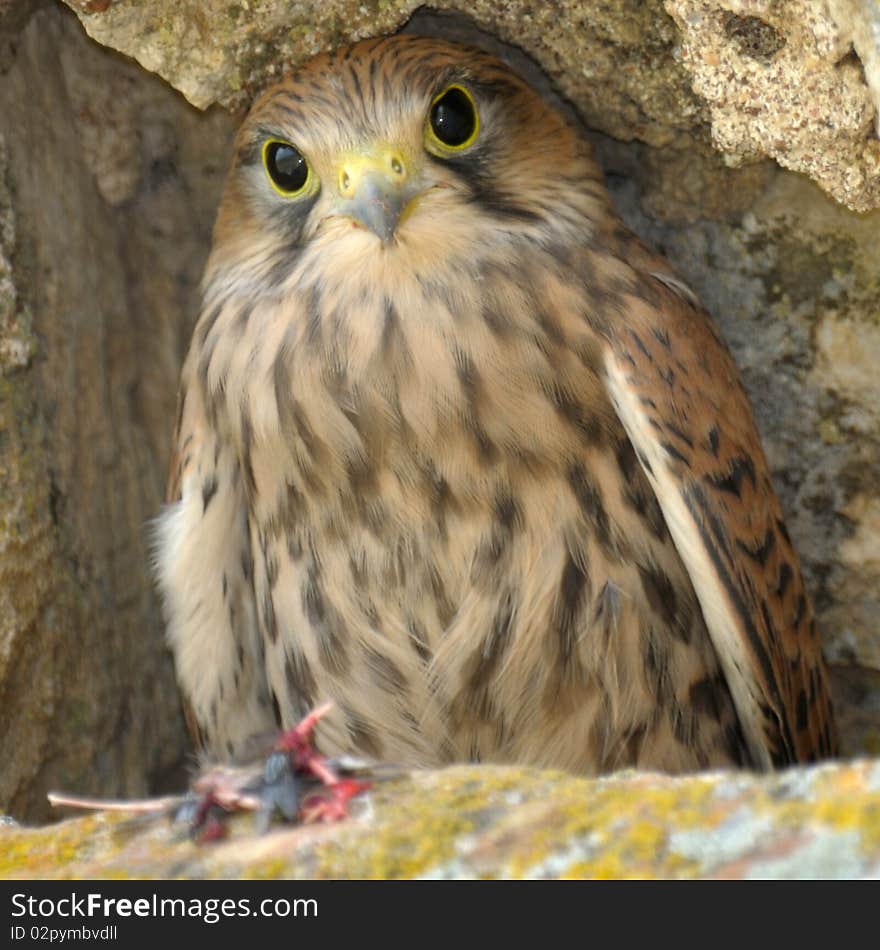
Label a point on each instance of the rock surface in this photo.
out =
(779, 79)
(508, 823)
(108, 183)
(792, 80)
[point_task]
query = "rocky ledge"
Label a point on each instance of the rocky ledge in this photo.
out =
(498, 822)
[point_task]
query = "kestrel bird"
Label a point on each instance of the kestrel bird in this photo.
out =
(458, 453)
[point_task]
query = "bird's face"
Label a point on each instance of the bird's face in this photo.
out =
(403, 152)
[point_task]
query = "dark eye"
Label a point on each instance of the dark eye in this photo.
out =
(453, 118)
(286, 167)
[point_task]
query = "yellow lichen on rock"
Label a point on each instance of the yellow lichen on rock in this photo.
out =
(500, 822)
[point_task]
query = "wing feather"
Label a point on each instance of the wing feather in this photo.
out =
(678, 394)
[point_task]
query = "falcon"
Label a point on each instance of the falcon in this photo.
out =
(460, 455)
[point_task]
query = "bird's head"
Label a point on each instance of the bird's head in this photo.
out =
(403, 153)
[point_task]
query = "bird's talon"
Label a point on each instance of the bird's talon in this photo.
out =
(331, 805)
(277, 788)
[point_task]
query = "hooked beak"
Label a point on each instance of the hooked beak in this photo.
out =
(375, 191)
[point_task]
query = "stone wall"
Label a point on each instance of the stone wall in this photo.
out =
(108, 183)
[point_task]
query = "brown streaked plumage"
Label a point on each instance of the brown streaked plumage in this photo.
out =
(458, 453)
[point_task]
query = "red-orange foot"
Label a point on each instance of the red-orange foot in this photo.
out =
(285, 786)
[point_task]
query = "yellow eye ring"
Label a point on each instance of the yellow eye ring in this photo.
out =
(289, 174)
(453, 122)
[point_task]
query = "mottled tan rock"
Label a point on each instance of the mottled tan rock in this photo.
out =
(778, 82)
(509, 823)
(614, 60)
(847, 357)
(858, 22)
(772, 78)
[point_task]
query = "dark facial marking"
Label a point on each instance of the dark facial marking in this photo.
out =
(474, 171)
